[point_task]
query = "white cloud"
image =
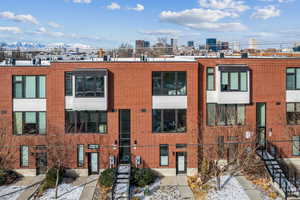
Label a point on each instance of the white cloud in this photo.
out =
(54, 25)
(10, 29)
(44, 31)
(279, 1)
(234, 5)
(161, 32)
(113, 6)
(139, 7)
(266, 12)
(19, 18)
(82, 1)
(203, 19)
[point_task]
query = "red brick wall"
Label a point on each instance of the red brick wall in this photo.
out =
(130, 87)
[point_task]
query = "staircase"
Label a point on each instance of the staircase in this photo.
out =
(121, 188)
(280, 173)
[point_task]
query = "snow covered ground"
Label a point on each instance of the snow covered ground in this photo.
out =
(139, 192)
(9, 189)
(230, 190)
(65, 192)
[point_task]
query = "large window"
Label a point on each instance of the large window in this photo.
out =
(293, 78)
(293, 113)
(29, 123)
(225, 114)
(169, 121)
(86, 122)
(80, 155)
(296, 146)
(24, 156)
(169, 83)
(164, 155)
(234, 81)
(68, 84)
(210, 78)
(89, 85)
(30, 87)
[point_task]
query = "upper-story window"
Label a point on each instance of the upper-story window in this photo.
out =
(29, 123)
(169, 83)
(31, 87)
(86, 122)
(234, 81)
(68, 84)
(293, 113)
(293, 78)
(89, 85)
(169, 121)
(225, 114)
(210, 78)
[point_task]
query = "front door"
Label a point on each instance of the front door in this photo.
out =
(93, 163)
(124, 136)
(180, 162)
(41, 163)
(261, 124)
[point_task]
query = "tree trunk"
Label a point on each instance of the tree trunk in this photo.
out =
(56, 183)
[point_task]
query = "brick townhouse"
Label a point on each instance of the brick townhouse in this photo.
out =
(148, 113)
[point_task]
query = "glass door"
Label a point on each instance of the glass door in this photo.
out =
(124, 136)
(261, 124)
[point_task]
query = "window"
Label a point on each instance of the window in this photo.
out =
(169, 83)
(29, 123)
(234, 81)
(210, 78)
(68, 84)
(80, 155)
(293, 78)
(89, 85)
(24, 161)
(293, 113)
(86, 122)
(225, 114)
(181, 146)
(170, 121)
(296, 146)
(30, 87)
(164, 155)
(93, 146)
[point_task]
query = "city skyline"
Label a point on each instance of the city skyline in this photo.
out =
(99, 22)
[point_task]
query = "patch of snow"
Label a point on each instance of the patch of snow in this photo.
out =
(15, 190)
(230, 190)
(65, 192)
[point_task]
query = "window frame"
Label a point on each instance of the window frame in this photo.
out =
(239, 81)
(294, 112)
(69, 74)
(78, 151)
(75, 116)
(162, 120)
(23, 82)
(214, 78)
(37, 116)
(218, 114)
(293, 153)
(160, 154)
(295, 77)
(161, 89)
(95, 76)
(21, 156)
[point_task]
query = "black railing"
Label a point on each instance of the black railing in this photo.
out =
(285, 176)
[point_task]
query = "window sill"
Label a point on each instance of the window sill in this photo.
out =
(29, 98)
(36, 134)
(184, 95)
(87, 133)
(169, 132)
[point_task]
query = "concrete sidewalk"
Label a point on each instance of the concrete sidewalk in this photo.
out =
(181, 182)
(90, 184)
(31, 184)
(251, 191)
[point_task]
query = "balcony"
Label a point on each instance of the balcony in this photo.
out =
(232, 85)
(86, 89)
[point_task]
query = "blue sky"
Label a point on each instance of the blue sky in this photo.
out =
(108, 23)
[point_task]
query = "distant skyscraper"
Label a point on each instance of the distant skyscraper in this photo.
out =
(190, 43)
(225, 45)
(174, 44)
(252, 43)
(211, 44)
(146, 44)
